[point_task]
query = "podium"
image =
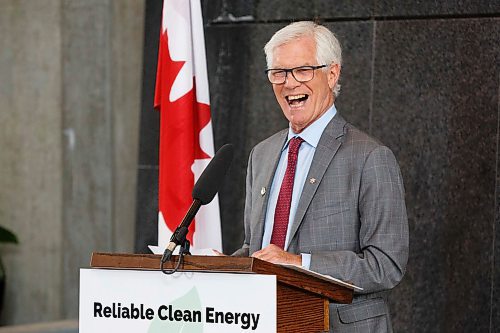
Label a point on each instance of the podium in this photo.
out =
(302, 299)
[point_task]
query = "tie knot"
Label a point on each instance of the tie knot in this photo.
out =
(294, 145)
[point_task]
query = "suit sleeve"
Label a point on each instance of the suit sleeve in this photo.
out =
(383, 235)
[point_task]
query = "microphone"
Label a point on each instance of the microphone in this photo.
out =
(203, 193)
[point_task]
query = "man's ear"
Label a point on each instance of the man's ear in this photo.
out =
(333, 75)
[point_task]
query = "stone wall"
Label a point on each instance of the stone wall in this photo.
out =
(69, 119)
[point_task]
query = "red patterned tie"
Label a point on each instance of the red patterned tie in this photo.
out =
(282, 212)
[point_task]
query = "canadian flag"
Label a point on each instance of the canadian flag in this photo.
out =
(186, 138)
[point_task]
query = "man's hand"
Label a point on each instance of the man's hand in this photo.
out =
(276, 255)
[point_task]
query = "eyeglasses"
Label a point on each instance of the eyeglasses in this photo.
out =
(300, 74)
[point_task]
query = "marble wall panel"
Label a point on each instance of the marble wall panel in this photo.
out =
(224, 11)
(495, 295)
(150, 119)
(406, 8)
(147, 209)
(307, 10)
(227, 11)
(354, 101)
(150, 134)
(436, 105)
(147, 181)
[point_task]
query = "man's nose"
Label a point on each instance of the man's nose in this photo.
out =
(290, 81)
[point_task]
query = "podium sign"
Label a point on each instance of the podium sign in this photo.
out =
(152, 302)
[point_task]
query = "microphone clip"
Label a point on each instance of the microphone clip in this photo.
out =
(178, 238)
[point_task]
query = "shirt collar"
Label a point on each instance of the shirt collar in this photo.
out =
(312, 133)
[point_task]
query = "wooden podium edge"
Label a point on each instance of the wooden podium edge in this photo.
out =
(227, 264)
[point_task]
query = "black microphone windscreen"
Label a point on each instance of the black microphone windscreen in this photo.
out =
(212, 177)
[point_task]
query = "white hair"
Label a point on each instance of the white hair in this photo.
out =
(328, 49)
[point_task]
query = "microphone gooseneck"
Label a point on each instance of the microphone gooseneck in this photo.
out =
(180, 233)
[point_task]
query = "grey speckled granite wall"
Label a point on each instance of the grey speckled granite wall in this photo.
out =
(424, 78)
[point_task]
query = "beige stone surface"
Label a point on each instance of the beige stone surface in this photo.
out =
(63, 326)
(127, 30)
(30, 157)
(69, 113)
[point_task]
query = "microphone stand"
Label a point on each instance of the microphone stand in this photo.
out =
(179, 238)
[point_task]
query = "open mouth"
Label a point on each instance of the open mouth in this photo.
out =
(296, 100)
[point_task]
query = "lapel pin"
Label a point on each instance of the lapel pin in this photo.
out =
(312, 180)
(263, 191)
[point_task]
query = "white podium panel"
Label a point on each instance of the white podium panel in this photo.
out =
(152, 302)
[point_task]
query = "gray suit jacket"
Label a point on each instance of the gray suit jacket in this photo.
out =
(352, 219)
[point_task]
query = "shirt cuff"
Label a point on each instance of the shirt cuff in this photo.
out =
(306, 260)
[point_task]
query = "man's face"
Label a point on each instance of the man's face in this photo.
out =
(303, 103)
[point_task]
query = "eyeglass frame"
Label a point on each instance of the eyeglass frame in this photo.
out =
(290, 70)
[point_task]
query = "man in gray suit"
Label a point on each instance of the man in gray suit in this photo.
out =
(323, 194)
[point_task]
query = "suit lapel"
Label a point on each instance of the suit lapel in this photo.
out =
(325, 151)
(271, 158)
